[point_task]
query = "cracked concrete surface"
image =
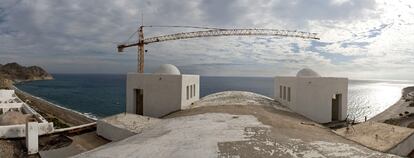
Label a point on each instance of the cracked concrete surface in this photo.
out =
(241, 130)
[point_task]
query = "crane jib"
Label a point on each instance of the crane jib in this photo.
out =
(227, 32)
(211, 32)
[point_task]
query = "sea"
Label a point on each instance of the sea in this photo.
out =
(100, 95)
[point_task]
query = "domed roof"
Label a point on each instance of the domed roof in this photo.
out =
(167, 69)
(306, 72)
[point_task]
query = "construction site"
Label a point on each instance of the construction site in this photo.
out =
(165, 117)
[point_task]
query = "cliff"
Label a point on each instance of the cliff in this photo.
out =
(13, 72)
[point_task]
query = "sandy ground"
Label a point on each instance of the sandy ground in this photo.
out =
(11, 148)
(242, 130)
(57, 145)
(80, 143)
(375, 135)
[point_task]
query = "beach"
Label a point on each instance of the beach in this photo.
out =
(400, 113)
(60, 116)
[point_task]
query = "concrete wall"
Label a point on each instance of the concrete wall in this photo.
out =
(4, 93)
(6, 107)
(288, 82)
(32, 137)
(316, 97)
(405, 147)
(193, 82)
(111, 132)
(312, 97)
(19, 131)
(123, 125)
(163, 93)
(27, 110)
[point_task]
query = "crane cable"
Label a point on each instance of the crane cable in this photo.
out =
(132, 35)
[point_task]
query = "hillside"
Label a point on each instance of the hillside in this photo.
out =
(13, 72)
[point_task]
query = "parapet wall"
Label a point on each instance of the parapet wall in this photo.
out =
(26, 109)
(19, 131)
(404, 147)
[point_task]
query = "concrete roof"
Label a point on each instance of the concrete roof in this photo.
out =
(130, 122)
(240, 130)
(238, 98)
(167, 69)
(378, 136)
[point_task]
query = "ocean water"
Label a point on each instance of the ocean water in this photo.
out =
(104, 95)
(95, 95)
(369, 98)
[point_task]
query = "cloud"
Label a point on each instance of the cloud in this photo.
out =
(359, 38)
(323, 10)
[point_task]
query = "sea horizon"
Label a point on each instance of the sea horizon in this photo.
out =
(101, 95)
(265, 76)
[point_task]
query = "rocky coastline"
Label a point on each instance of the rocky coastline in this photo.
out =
(11, 73)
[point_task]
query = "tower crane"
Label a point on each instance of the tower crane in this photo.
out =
(208, 32)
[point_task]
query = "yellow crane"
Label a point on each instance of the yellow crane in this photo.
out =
(208, 32)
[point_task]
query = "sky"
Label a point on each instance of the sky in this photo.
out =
(360, 39)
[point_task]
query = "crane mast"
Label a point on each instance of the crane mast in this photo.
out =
(210, 32)
(140, 66)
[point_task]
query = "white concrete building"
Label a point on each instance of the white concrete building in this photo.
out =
(162, 92)
(14, 114)
(322, 99)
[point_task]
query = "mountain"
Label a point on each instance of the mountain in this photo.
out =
(15, 72)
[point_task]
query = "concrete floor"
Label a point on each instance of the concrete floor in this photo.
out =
(243, 130)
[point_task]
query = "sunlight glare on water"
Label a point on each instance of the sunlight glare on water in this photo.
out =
(372, 99)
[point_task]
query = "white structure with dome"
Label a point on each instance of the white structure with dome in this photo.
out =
(162, 92)
(322, 99)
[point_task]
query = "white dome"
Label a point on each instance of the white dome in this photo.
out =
(306, 72)
(167, 69)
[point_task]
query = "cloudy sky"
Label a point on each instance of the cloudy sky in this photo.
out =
(360, 39)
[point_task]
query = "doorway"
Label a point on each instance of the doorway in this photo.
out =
(336, 107)
(139, 101)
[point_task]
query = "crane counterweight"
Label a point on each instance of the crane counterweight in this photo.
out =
(121, 48)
